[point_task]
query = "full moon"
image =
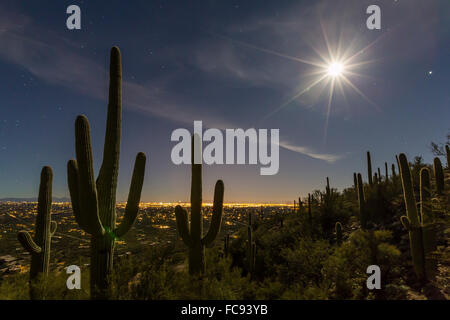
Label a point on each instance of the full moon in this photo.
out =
(335, 69)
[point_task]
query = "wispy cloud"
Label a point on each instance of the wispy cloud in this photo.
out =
(311, 153)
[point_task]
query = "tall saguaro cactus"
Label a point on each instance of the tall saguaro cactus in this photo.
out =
(94, 201)
(39, 247)
(192, 234)
(439, 176)
(369, 168)
(419, 225)
(387, 171)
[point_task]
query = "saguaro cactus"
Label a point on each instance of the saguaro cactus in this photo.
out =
(327, 188)
(420, 228)
(362, 203)
(39, 247)
(394, 175)
(94, 202)
(338, 229)
(439, 175)
(192, 235)
(387, 171)
(369, 168)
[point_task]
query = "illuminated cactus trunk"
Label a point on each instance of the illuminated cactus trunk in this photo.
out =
(94, 202)
(418, 224)
(439, 176)
(369, 169)
(192, 235)
(39, 247)
(338, 229)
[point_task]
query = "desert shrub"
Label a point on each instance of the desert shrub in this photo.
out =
(345, 270)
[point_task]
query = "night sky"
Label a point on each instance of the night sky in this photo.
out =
(231, 64)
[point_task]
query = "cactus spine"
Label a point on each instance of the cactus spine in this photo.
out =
(338, 229)
(94, 202)
(39, 247)
(439, 176)
(362, 202)
(419, 227)
(369, 168)
(192, 235)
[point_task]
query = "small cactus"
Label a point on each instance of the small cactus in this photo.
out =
(355, 182)
(439, 176)
(39, 247)
(419, 226)
(394, 175)
(192, 234)
(362, 203)
(94, 201)
(338, 229)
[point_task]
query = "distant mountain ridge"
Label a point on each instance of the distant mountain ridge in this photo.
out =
(35, 199)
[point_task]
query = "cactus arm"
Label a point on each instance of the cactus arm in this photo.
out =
(439, 176)
(408, 191)
(28, 243)
(405, 222)
(425, 196)
(182, 225)
(134, 196)
(216, 219)
(73, 178)
(86, 182)
(107, 178)
(53, 227)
